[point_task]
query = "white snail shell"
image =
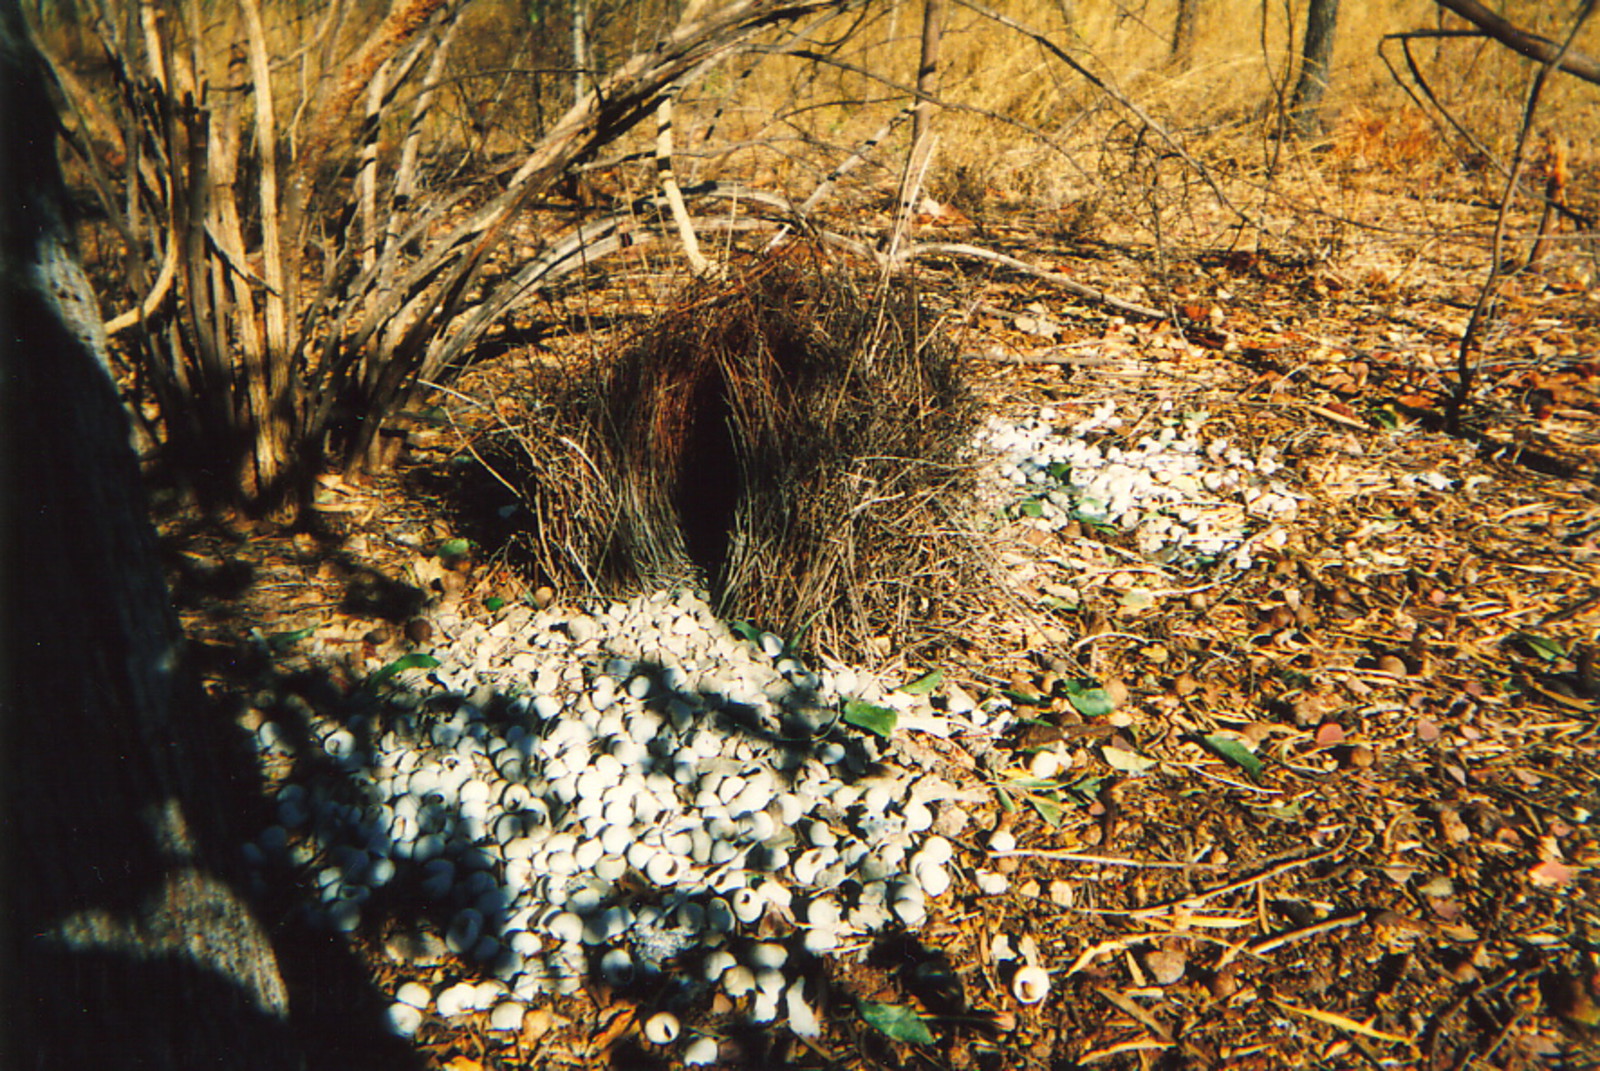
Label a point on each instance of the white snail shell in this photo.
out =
(661, 1028)
(1030, 985)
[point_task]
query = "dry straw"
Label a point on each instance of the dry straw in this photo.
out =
(793, 440)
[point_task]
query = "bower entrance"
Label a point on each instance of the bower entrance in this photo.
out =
(793, 442)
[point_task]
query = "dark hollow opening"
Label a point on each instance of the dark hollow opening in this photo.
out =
(707, 492)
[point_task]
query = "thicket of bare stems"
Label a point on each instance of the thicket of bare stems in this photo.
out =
(298, 248)
(300, 202)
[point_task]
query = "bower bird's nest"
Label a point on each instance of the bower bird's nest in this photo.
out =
(793, 442)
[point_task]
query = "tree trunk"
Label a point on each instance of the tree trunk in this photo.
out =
(927, 70)
(1321, 19)
(128, 947)
(1184, 32)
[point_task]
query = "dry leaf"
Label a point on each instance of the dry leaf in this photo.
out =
(1552, 874)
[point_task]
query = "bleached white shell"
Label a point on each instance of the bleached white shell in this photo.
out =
(700, 1052)
(415, 994)
(767, 955)
(506, 1016)
(717, 964)
(737, 981)
(404, 1019)
(456, 1000)
(465, 930)
(616, 967)
(747, 906)
(661, 1028)
(340, 744)
(802, 1020)
(1030, 985)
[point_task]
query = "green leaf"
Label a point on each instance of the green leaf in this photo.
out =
(896, 1021)
(1059, 470)
(1086, 789)
(279, 642)
(1031, 507)
(1025, 698)
(493, 603)
(1033, 784)
(1386, 416)
(874, 719)
(1234, 751)
(1089, 700)
(454, 548)
(925, 684)
(1055, 602)
(1050, 810)
(415, 660)
(745, 631)
(1542, 646)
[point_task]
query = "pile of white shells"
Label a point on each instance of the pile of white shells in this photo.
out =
(634, 795)
(1181, 495)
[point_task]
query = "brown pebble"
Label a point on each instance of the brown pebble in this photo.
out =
(419, 631)
(1362, 757)
(543, 597)
(1392, 664)
(1198, 602)
(377, 637)
(1185, 684)
(1281, 617)
(1225, 983)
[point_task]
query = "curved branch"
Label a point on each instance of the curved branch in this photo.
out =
(1529, 44)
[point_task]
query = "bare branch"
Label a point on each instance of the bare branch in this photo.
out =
(1528, 44)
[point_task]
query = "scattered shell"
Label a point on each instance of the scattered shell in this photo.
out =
(415, 994)
(802, 1020)
(661, 1028)
(404, 1019)
(1030, 984)
(506, 1016)
(616, 966)
(700, 1052)
(767, 956)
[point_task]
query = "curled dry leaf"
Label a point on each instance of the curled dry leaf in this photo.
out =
(1551, 874)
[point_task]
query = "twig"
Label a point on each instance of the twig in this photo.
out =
(961, 249)
(1201, 897)
(1261, 948)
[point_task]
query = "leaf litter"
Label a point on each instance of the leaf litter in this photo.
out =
(1337, 805)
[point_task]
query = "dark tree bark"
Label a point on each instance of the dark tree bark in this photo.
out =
(1321, 19)
(126, 946)
(1184, 31)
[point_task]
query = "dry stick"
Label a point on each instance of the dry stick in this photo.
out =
(669, 186)
(1466, 368)
(1194, 899)
(405, 176)
(961, 249)
(849, 163)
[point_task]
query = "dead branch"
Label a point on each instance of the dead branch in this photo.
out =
(1067, 283)
(1528, 44)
